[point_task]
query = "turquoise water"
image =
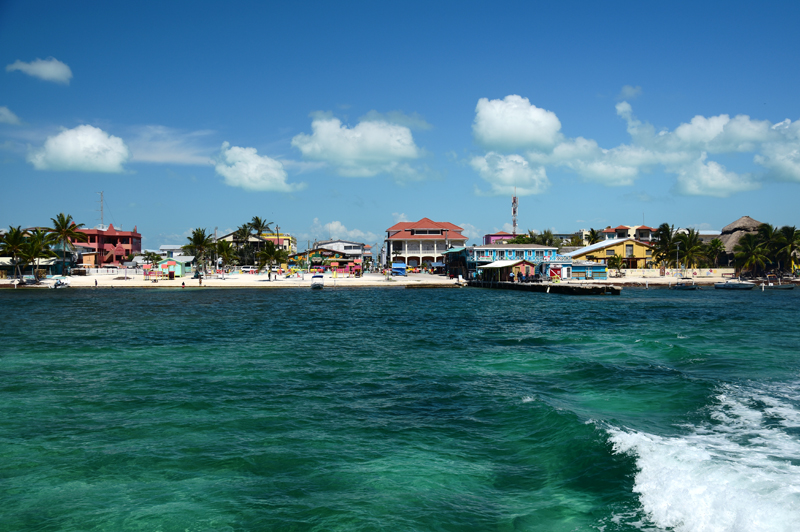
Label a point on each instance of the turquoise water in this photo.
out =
(392, 409)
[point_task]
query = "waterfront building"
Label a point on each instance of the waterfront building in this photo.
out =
(642, 233)
(323, 258)
(635, 254)
(497, 238)
(112, 245)
(588, 270)
(494, 252)
(424, 241)
(283, 241)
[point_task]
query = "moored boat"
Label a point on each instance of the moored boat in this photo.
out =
(773, 283)
(735, 284)
(317, 281)
(684, 283)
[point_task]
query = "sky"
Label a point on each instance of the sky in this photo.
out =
(339, 119)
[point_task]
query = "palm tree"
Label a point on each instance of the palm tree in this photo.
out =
(37, 247)
(691, 248)
(12, 245)
(225, 252)
(199, 243)
(770, 238)
(259, 226)
(749, 253)
(269, 256)
(615, 262)
(713, 250)
(665, 243)
(789, 244)
(153, 258)
(594, 236)
(65, 231)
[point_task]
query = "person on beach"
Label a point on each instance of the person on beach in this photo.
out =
(201, 280)
(95, 282)
(183, 285)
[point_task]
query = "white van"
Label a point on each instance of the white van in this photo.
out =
(249, 269)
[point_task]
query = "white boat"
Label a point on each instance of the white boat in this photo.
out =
(60, 284)
(317, 281)
(735, 284)
(773, 283)
(684, 283)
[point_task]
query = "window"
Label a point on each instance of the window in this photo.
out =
(649, 252)
(629, 250)
(610, 252)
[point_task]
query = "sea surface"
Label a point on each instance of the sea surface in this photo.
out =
(398, 410)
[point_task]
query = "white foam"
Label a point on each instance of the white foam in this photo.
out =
(734, 474)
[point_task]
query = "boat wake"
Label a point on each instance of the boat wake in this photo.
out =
(737, 471)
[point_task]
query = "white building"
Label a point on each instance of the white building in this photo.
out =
(354, 250)
(425, 241)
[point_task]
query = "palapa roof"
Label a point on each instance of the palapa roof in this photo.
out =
(745, 223)
(732, 233)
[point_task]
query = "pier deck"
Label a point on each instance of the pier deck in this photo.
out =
(552, 288)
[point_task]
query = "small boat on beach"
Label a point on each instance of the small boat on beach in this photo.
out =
(317, 281)
(735, 284)
(684, 283)
(60, 284)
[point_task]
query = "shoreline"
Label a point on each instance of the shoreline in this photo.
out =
(372, 280)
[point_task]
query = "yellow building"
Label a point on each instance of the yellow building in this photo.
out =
(635, 253)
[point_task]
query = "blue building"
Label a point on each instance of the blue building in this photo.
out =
(548, 263)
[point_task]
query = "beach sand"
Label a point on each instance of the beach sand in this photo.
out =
(247, 280)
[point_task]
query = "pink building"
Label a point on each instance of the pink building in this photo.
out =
(112, 246)
(500, 237)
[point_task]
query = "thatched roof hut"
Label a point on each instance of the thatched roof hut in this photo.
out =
(732, 233)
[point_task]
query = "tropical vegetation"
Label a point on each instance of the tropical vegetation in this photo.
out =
(65, 231)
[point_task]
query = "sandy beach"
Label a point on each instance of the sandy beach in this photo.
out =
(247, 280)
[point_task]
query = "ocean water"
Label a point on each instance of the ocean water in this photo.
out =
(399, 410)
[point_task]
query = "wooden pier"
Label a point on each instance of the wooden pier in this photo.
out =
(552, 288)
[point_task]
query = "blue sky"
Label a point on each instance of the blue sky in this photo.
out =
(339, 119)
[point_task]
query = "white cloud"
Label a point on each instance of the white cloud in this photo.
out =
(160, 144)
(470, 231)
(85, 148)
(399, 217)
(50, 69)
(368, 149)
(507, 173)
(337, 230)
(629, 92)
(712, 179)
(244, 168)
(412, 121)
(7, 117)
(514, 123)
(682, 152)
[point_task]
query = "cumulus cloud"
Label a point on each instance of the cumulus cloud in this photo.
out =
(470, 231)
(712, 179)
(368, 149)
(412, 121)
(85, 148)
(507, 173)
(399, 217)
(50, 69)
(514, 123)
(337, 230)
(685, 152)
(629, 92)
(244, 168)
(160, 144)
(7, 117)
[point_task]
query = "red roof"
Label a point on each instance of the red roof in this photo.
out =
(621, 227)
(425, 223)
(609, 230)
(645, 228)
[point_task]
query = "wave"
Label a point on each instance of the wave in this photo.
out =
(738, 470)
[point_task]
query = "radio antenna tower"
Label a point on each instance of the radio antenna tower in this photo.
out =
(514, 205)
(101, 207)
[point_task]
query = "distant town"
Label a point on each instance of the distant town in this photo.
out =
(746, 247)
